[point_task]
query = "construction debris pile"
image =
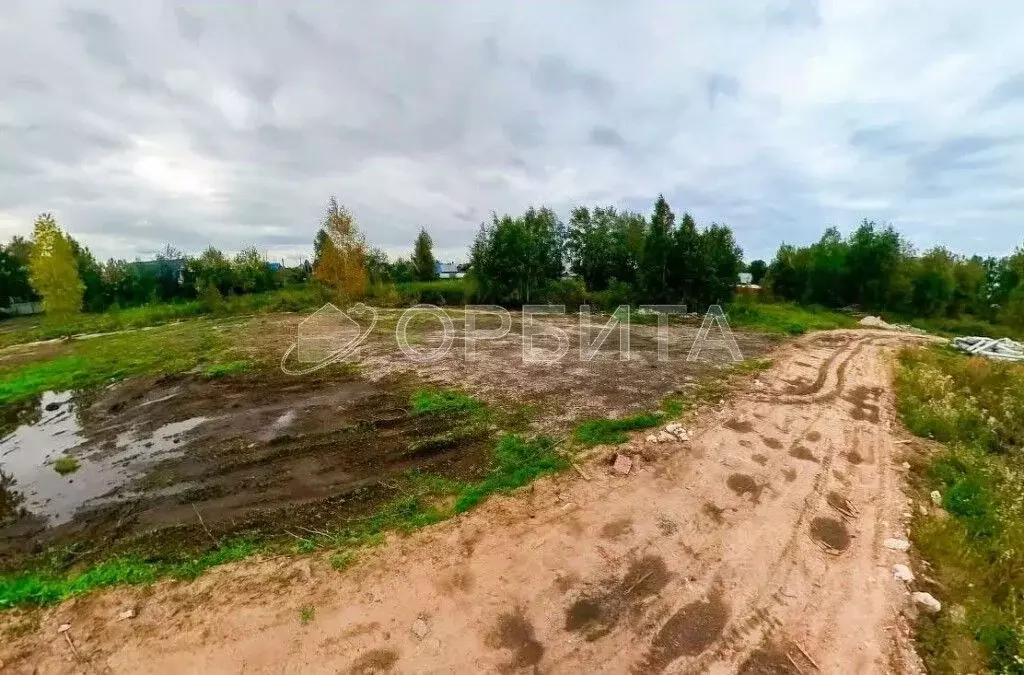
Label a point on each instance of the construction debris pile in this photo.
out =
(1003, 348)
(879, 322)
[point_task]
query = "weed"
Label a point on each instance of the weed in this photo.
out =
(88, 363)
(229, 368)
(443, 401)
(516, 462)
(66, 464)
(613, 431)
(342, 559)
(976, 553)
(784, 317)
(306, 614)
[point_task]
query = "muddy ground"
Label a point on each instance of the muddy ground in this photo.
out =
(170, 464)
(754, 544)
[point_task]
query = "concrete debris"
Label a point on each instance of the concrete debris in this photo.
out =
(420, 628)
(926, 602)
(1004, 349)
(878, 322)
(894, 544)
(902, 573)
(622, 465)
(64, 628)
(126, 614)
(936, 498)
(676, 429)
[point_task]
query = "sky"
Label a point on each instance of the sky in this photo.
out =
(140, 123)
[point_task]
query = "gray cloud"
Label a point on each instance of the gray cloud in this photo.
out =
(606, 137)
(230, 124)
(720, 86)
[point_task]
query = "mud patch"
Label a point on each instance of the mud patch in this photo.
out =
(515, 632)
(742, 484)
(839, 502)
(865, 406)
(853, 457)
(599, 609)
(801, 452)
(689, 632)
(773, 443)
(760, 459)
(714, 512)
(740, 426)
(374, 661)
(617, 529)
(767, 661)
(813, 436)
(789, 473)
(831, 532)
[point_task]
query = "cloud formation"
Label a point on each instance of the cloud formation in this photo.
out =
(196, 123)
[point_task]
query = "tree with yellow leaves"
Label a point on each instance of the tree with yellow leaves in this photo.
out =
(53, 270)
(340, 253)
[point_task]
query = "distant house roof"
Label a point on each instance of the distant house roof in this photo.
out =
(274, 266)
(445, 268)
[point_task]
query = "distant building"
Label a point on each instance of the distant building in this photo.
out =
(21, 308)
(746, 277)
(448, 270)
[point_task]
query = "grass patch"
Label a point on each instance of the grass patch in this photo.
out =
(443, 401)
(229, 368)
(614, 431)
(976, 552)
(306, 614)
(82, 364)
(517, 461)
(66, 464)
(784, 318)
(19, 330)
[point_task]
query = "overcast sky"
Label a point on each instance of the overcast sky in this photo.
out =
(140, 123)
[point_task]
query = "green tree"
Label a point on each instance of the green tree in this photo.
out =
(722, 260)
(53, 270)
(757, 269)
(512, 260)
(423, 261)
(14, 272)
(654, 268)
(250, 272)
(377, 266)
(94, 295)
(688, 271)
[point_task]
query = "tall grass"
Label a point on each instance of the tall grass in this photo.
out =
(976, 552)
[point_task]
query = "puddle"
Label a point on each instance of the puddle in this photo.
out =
(27, 455)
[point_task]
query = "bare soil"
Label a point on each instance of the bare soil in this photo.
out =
(172, 463)
(705, 578)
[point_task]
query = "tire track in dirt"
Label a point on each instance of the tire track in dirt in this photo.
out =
(612, 574)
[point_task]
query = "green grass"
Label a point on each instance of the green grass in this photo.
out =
(66, 464)
(614, 431)
(32, 328)
(306, 614)
(784, 318)
(98, 361)
(229, 368)
(976, 552)
(443, 401)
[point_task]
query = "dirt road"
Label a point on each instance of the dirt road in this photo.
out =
(754, 548)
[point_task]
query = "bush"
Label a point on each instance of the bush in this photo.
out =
(569, 292)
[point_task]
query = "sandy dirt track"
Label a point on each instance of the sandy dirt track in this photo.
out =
(754, 548)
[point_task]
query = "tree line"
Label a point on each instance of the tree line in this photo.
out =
(55, 268)
(876, 269)
(601, 256)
